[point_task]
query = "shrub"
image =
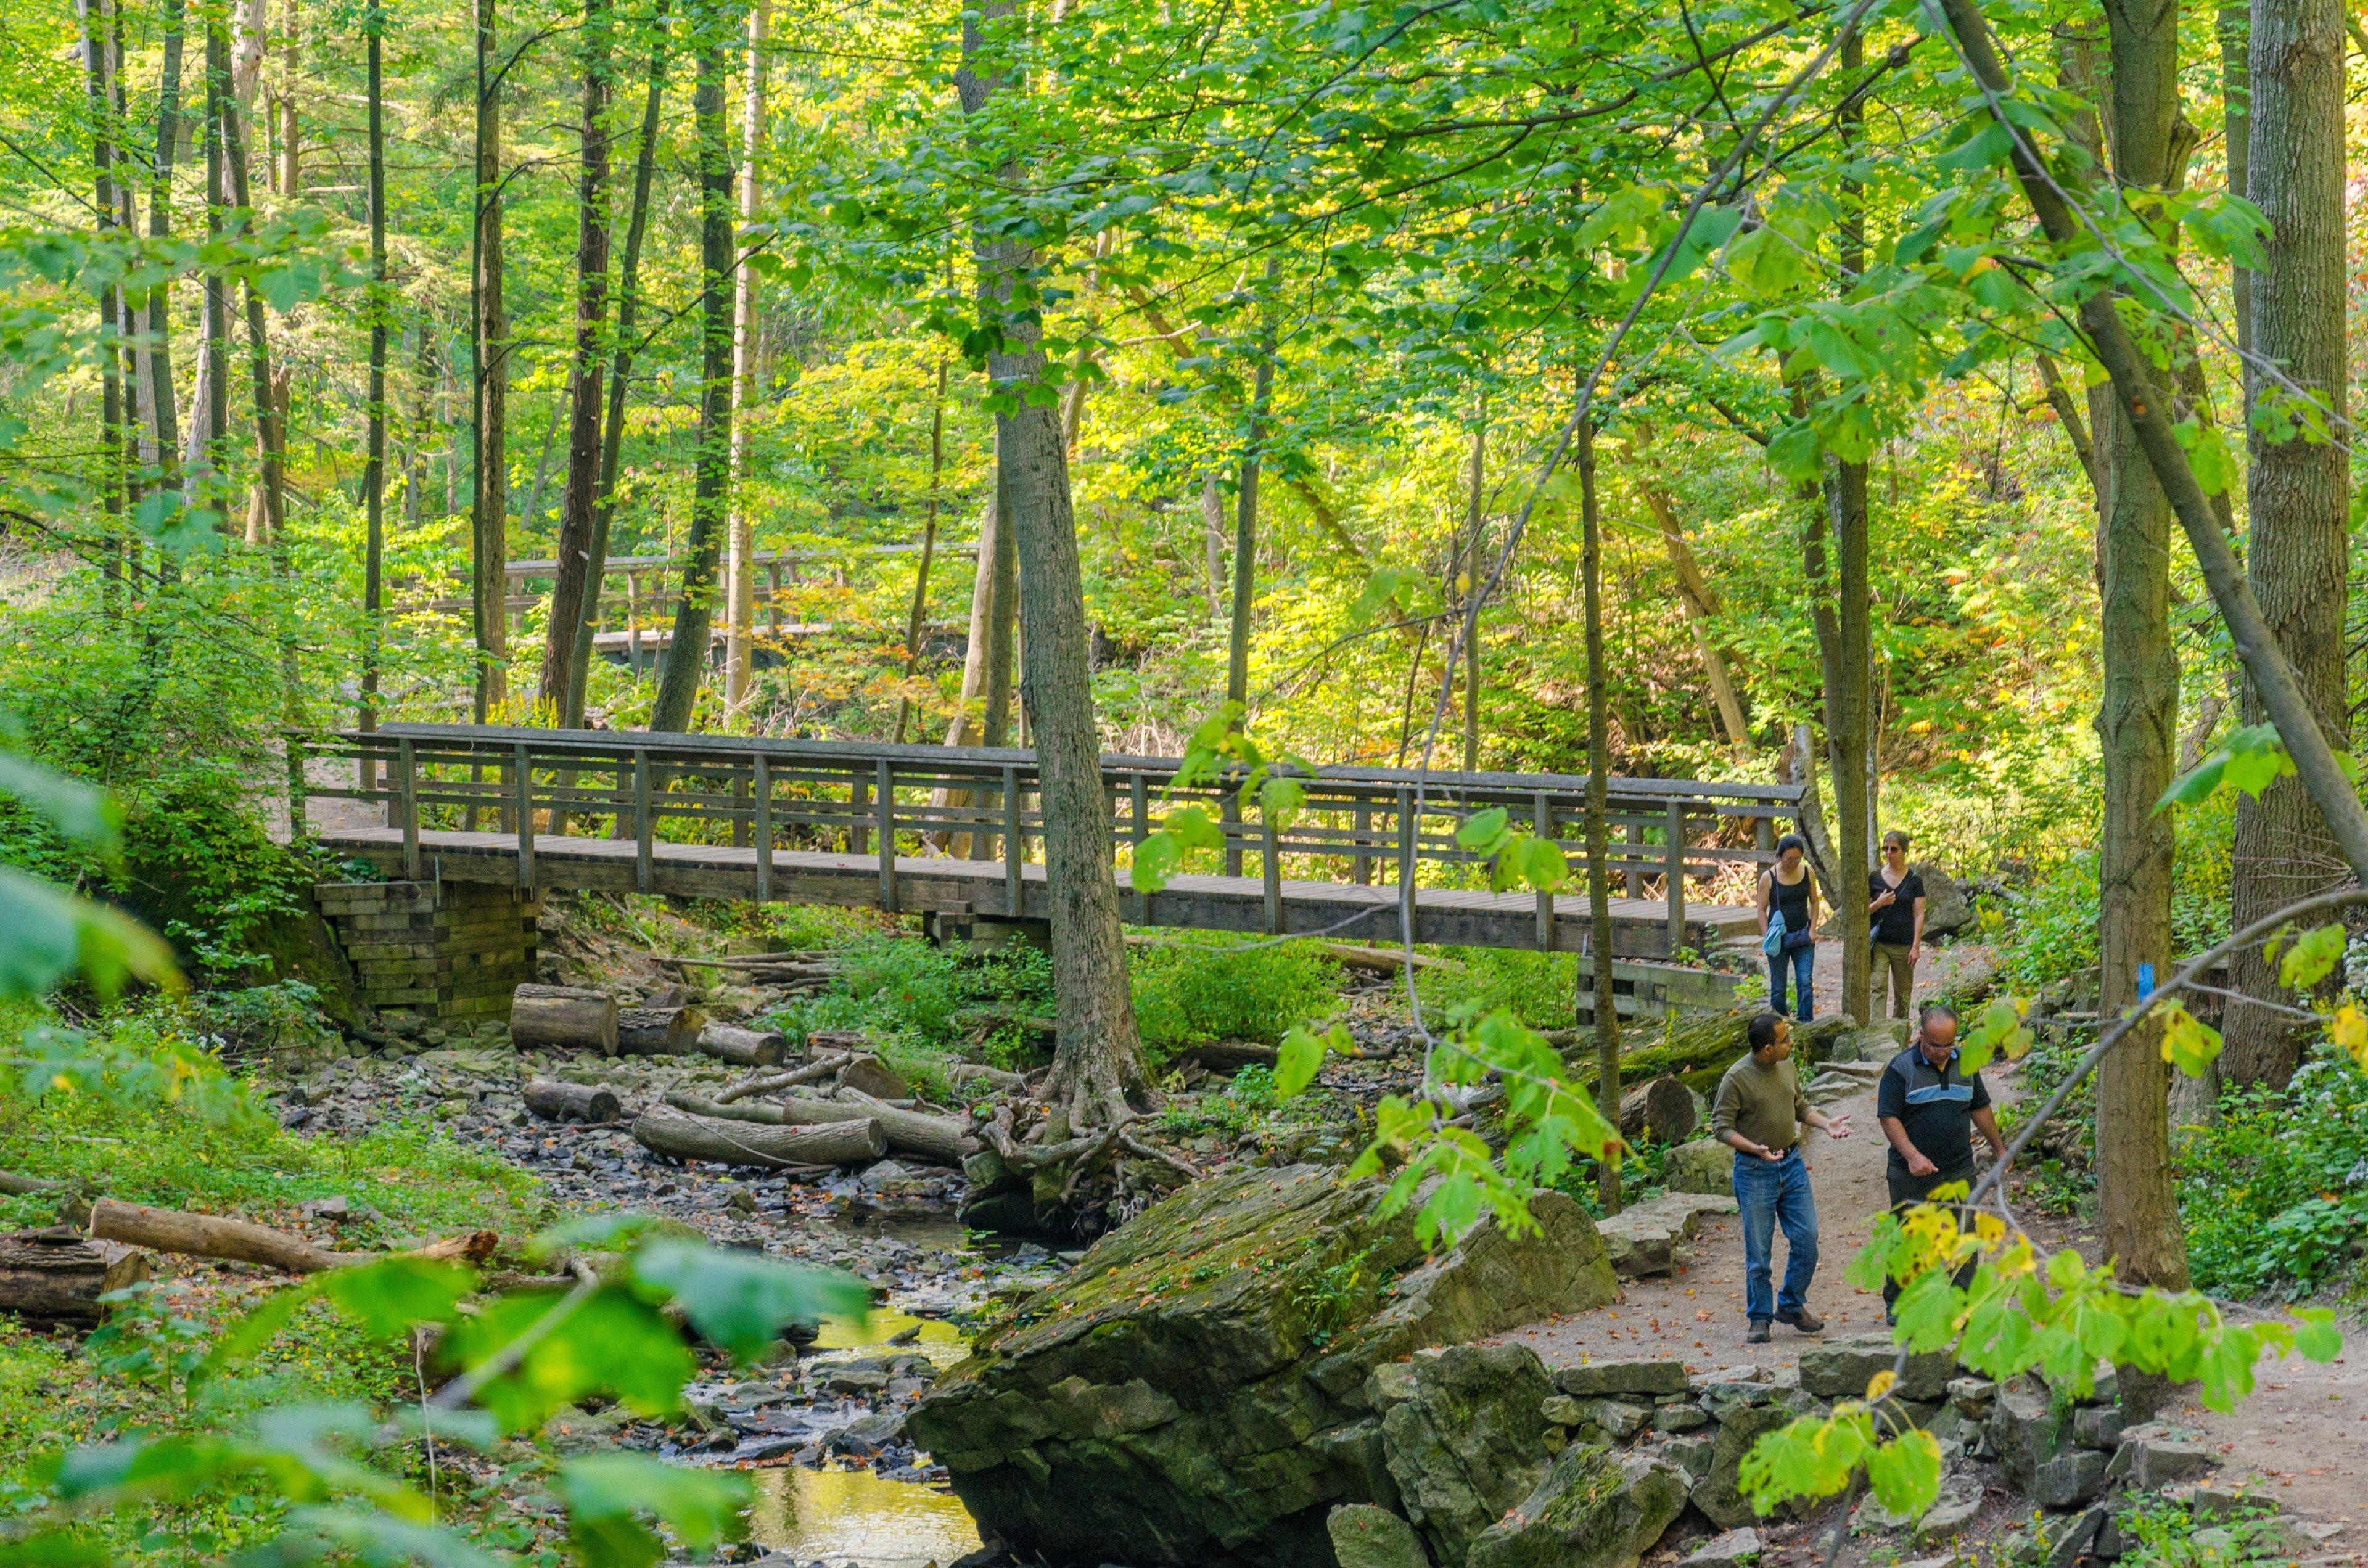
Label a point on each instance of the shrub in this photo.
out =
(2274, 1194)
(1541, 988)
(1223, 989)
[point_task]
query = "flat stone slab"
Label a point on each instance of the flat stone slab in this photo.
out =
(1645, 1239)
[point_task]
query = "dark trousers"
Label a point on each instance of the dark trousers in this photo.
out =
(1907, 1189)
(1800, 964)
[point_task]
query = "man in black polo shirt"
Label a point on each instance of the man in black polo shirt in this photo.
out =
(1929, 1113)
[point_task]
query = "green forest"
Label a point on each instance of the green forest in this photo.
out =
(1101, 783)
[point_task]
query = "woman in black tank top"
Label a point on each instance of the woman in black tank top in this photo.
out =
(1797, 899)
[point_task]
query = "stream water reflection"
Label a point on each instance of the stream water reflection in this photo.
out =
(853, 1515)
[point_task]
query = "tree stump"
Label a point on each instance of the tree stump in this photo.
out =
(659, 1031)
(55, 1276)
(563, 1017)
(1663, 1107)
(666, 1131)
(555, 1101)
(748, 1048)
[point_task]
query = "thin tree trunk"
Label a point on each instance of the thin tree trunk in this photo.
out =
(269, 441)
(374, 467)
(291, 162)
(161, 401)
(740, 583)
(916, 622)
(2234, 24)
(1098, 1070)
(1246, 501)
(694, 612)
(1599, 810)
(621, 367)
(573, 547)
(93, 19)
(965, 727)
(1475, 480)
(1700, 604)
(1213, 536)
(2296, 489)
(2137, 725)
(1000, 673)
(214, 394)
(489, 333)
(1851, 738)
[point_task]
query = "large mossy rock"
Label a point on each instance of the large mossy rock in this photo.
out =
(1199, 1389)
(1596, 1508)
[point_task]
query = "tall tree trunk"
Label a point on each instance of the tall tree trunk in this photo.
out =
(916, 622)
(573, 548)
(740, 583)
(374, 467)
(161, 401)
(1098, 1070)
(1851, 736)
(1246, 502)
(1599, 810)
(489, 332)
(291, 159)
(2296, 488)
(1213, 538)
(214, 394)
(621, 367)
(2137, 728)
(694, 612)
(2234, 24)
(270, 440)
(111, 478)
(1700, 603)
(1475, 480)
(984, 705)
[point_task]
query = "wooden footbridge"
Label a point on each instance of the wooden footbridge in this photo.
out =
(950, 830)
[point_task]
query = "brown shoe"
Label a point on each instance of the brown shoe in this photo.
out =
(1804, 1320)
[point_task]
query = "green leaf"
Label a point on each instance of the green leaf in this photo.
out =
(2315, 1335)
(73, 808)
(1905, 1473)
(1482, 831)
(2309, 961)
(742, 1300)
(605, 1492)
(609, 1341)
(1156, 861)
(2187, 1043)
(1301, 1054)
(47, 934)
(390, 1295)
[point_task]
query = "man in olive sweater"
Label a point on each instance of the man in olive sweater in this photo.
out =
(1759, 1113)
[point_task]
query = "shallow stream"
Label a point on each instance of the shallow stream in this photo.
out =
(852, 1516)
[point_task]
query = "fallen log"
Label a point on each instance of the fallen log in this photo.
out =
(555, 1101)
(1231, 1055)
(773, 1083)
(993, 1078)
(54, 1276)
(667, 1129)
(244, 1240)
(939, 1139)
(746, 1048)
(563, 1017)
(1385, 961)
(659, 1031)
(16, 1186)
(1662, 1106)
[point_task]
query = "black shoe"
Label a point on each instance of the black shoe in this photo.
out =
(1804, 1320)
(1759, 1333)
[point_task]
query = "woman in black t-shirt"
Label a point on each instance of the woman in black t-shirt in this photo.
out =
(1896, 908)
(1787, 889)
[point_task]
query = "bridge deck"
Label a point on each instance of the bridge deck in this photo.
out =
(1448, 916)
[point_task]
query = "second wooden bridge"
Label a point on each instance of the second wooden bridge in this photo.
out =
(948, 832)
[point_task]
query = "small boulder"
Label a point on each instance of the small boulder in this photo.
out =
(1841, 1369)
(2025, 1429)
(1735, 1549)
(1703, 1166)
(1947, 911)
(2069, 1479)
(1596, 1508)
(1644, 1240)
(1718, 1493)
(2097, 1427)
(1593, 1380)
(1619, 1418)
(2152, 1456)
(1364, 1535)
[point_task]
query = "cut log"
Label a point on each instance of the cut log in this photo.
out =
(244, 1240)
(563, 1017)
(1663, 1108)
(16, 1186)
(669, 1130)
(555, 1101)
(823, 1042)
(1231, 1055)
(943, 1139)
(870, 1076)
(748, 1048)
(960, 1072)
(659, 1031)
(55, 1276)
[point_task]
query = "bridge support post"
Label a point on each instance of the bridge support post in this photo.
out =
(764, 789)
(643, 853)
(1405, 861)
(886, 784)
(1675, 851)
(1542, 818)
(406, 762)
(1271, 872)
(525, 818)
(1014, 850)
(1138, 795)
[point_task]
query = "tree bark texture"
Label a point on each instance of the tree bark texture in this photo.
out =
(620, 366)
(740, 585)
(55, 1276)
(1598, 807)
(2137, 725)
(2234, 24)
(694, 614)
(489, 332)
(563, 1017)
(374, 464)
(1700, 603)
(2296, 489)
(659, 1031)
(1848, 735)
(162, 401)
(555, 1101)
(1098, 1070)
(584, 375)
(686, 1137)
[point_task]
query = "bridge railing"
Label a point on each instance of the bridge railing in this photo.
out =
(1368, 827)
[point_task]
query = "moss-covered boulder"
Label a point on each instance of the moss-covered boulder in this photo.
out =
(1597, 1507)
(1197, 1389)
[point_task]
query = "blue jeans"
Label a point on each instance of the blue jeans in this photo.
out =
(1803, 961)
(1771, 1195)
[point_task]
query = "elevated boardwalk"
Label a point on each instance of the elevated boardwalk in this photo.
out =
(949, 831)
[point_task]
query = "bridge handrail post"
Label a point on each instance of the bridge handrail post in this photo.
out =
(525, 817)
(1014, 848)
(1138, 795)
(764, 829)
(1542, 820)
(886, 784)
(1675, 874)
(644, 852)
(406, 762)
(1271, 872)
(1361, 866)
(1406, 858)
